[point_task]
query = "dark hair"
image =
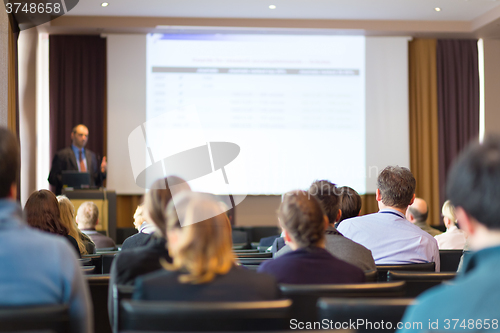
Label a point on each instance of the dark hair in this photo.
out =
(328, 196)
(42, 212)
(418, 215)
(9, 161)
(474, 182)
(158, 197)
(397, 186)
(301, 216)
(350, 203)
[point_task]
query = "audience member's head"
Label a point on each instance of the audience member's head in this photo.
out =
(448, 212)
(417, 211)
(473, 188)
(87, 216)
(350, 202)
(158, 197)
(302, 219)
(199, 237)
(68, 220)
(139, 217)
(9, 163)
(328, 196)
(396, 187)
(42, 212)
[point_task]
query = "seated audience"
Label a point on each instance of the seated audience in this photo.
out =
(145, 229)
(37, 267)
(471, 303)
(388, 234)
(131, 263)
(338, 245)
(87, 218)
(417, 214)
(303, 222)
(350, 203)
(42, 212)
(85, 244)
(453, 238)
(203, 267)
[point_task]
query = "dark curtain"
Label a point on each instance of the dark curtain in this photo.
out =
(77, 78)
(13, 87)
(458, 101)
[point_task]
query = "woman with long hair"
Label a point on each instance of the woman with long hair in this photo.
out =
(85, 244)
(42, 212)
(204, 267)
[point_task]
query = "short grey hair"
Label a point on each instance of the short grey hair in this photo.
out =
(87, 215)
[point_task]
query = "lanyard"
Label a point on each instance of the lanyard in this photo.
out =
(393, 213)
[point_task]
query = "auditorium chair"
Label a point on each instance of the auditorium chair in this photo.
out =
(85, 262)
(204, 316)
(98, 286)
(87, 270)
(368, 312)
(383, 269)
(450, 260)
(96, 260)
(252, 261)
(305, 296)
(106, 249)
(418, 282)
(53, 318)
(107, 260)
(261, 255)
(120, 292)
(246, 251)
(371, 276)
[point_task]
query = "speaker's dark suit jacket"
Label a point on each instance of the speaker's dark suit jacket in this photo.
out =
(65, 159)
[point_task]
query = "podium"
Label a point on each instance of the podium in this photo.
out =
(106, 203)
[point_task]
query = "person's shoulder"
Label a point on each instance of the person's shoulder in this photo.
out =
(64, 152)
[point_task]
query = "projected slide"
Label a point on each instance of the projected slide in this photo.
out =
(293, 104)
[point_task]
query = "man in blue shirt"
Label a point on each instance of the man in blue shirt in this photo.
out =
(472, 302)
(36, 267)
(388, 234)
(77, 158)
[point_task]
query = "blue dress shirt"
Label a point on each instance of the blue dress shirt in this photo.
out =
(40, 268)
(392, 238)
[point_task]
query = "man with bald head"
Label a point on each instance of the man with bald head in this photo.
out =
(417, 214)
(77, 158)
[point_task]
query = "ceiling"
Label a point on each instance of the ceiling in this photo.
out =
(417, 18)
(422, 10)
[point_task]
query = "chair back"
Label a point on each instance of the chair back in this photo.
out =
(305, 297)
(450, 260)
(85, 262)
(29, 318)
(252, 261)
(120, 292)
(88, 270)
(96, 260)
(418, 282)
(261, 255)
(98, 286)
(371, 276)
(367, 313)
(107, 260)
(204, 316)
(383, 269)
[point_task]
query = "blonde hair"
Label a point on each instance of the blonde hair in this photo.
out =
(449, 211)
(67, 215)
(204, 248)
(87, 215)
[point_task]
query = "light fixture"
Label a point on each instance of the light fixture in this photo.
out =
(104, 4)
(272, 7)
(437, 9)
